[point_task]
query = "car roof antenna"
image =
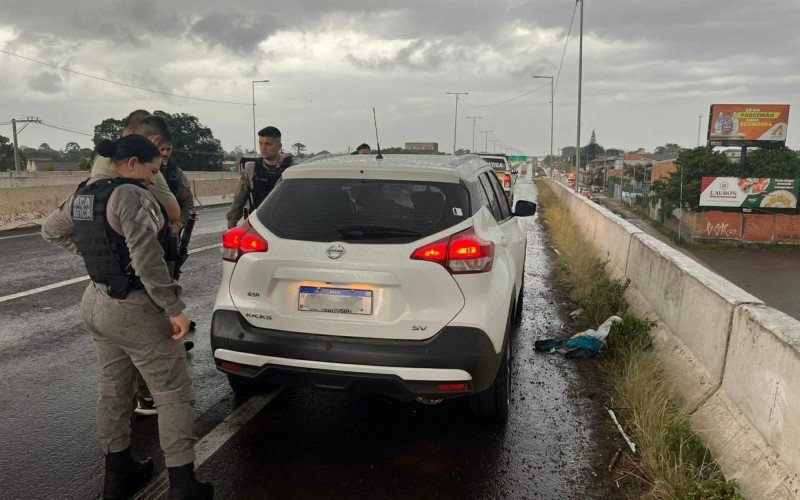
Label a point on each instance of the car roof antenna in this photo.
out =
(378, 141)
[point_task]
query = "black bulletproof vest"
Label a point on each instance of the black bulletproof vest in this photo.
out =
(170, 174)
(264, 180)
(104, 251)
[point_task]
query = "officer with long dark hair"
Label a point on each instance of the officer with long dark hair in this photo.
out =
(133, 311)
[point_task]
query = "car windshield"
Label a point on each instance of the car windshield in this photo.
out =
(367, 211)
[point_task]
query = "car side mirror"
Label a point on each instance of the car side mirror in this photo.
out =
(524, 208)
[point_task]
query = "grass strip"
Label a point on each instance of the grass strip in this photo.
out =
(671, 460)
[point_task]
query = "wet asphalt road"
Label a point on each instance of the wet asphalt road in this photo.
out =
(305, 443)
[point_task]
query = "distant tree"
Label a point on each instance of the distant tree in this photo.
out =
(45, 147)
(781, 162)
(110, 129)
(614, 152)
(593, 139)
(6, 154)
(72, 151)
(85, 164)
(695, 164)
(194, 145)
(299, 147)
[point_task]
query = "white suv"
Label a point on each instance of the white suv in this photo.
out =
(398, 276)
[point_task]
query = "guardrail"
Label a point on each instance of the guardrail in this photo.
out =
(734, 360)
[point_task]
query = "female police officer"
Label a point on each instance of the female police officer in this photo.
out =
(133, 312)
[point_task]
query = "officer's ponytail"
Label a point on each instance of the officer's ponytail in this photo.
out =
(128, 147)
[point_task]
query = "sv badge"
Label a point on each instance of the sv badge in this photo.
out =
(415, 328)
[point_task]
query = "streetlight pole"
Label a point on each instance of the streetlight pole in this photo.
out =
(473, 118)
(486, 139)
(494, 145)
(16, 148)
(699, 122)
(552, 117)
(253, 86)
(580, 81)
(455, 122)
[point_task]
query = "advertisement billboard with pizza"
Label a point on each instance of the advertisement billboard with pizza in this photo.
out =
(747, 124)
(752, 192)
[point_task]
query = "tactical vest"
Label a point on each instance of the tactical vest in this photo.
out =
(170, 174)
(104, 251)
(264, 180)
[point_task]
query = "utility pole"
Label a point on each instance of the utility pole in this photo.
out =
(552, 116)
(580, 81)
(494, 145)
(486, 139)
(455, 123)
(255, 140)
(699, 122)
(473, 118)
(26, 120)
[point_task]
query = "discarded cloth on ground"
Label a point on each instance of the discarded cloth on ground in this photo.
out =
(581, 345)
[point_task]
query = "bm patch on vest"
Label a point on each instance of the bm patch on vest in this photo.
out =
(83, 207)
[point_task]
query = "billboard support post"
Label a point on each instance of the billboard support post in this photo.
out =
(743, 162)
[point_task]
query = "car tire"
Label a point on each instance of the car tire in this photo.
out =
(245, 387)
(493, 404)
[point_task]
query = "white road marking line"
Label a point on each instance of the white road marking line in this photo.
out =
(19, 236)
(211, 442)
(72, 281)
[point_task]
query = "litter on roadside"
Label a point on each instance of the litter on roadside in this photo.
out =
(581, 345)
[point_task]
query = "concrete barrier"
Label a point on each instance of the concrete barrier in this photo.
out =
(27, 199)
(735, 361)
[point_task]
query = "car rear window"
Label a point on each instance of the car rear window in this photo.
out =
(366, 211)
(497, 164)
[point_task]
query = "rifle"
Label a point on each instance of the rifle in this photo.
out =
(183, 244)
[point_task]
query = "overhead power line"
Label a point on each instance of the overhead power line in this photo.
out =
(565, 47)
(507, 100)
(66, 129)
(123, 84)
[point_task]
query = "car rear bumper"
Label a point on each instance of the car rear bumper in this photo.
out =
(401, 368)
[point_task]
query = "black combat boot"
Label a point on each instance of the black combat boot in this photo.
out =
(124, 475)
(184, 486)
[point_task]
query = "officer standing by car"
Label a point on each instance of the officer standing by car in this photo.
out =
(133, 312)
(259, 177)
(177, 182)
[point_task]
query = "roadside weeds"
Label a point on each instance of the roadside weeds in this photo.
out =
(671, 461)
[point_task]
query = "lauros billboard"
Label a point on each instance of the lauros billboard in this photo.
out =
(753, 192)
(756, 125)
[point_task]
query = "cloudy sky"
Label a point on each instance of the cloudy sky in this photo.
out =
(650, 67)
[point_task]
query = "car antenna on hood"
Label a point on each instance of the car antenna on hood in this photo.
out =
(378, 141)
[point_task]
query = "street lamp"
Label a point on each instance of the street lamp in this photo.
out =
(473, 118)
(552, 116)
(253, 85)
(580, 82)
(455, 122)
(486, 139)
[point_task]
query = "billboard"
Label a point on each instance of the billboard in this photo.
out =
(747, 124)
(752, 192)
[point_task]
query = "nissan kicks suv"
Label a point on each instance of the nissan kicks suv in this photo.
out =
(398, 276)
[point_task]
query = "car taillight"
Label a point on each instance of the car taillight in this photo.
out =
(462, 253)
(241, 240)
(507, 181)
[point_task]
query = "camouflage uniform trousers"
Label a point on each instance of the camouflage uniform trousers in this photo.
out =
(134, 334)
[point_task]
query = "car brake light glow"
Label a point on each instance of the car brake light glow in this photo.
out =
(462, 253)
(507, 181)
(241, 240)
(453, 387)
(227, 365)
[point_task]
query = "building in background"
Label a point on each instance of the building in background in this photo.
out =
(423, 147)
(48, 165)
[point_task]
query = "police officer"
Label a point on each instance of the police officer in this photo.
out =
(177, 182)
(259, 177)
(133, 311)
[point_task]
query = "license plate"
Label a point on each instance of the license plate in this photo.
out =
(335, 300)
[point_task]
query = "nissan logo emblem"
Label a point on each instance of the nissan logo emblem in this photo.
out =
(334, 251)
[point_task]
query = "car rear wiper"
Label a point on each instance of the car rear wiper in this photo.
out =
(369, 231)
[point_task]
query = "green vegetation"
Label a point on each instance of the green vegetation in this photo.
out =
(671, 460)
(703, 162)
